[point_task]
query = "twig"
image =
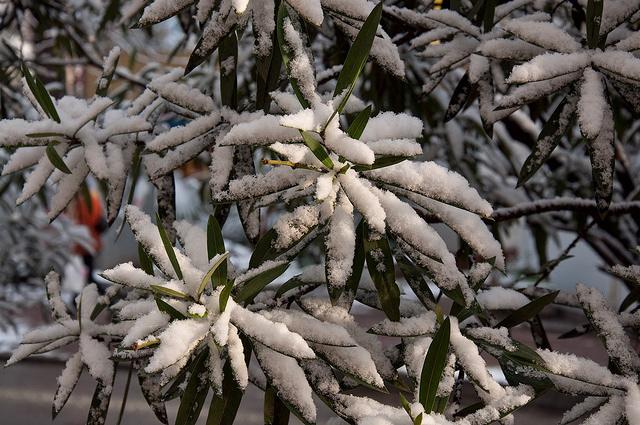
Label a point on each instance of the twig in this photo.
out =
(562, 204)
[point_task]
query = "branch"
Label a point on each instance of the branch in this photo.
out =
(562, 204)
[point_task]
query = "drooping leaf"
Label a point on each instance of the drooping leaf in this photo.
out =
(195, 392)
(275, 412)
(380, 162)
(168, 247)
(228, 61)
(459, 97)
(550, 136)
(40, 93)
(165, 307)
(359, 123)
(224, 295)
(351, 286)
(168, 292)
(250, 288)
(268, 73)
(146, 263)
(433, 366)
(285, 53)
(382, 272)
(221, 259)
(55, 159)
(150, 388)
(594, 19)
(318, 150)
(215, 245)
(527, 311)
(602, 153)
(415, 280)
(100, 404)
(264, 250)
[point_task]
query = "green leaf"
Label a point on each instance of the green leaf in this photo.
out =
(318, 150)
(351, 286)
(489, 14)
(267, 74)
(264, 250)
(56, 160)
(550, 136)
(224, 295)
(168, 247)
(433, 366)
(459, 98)
(146, 263)
(222, 259)
(40, 93)
(359, 123)
(380, 162)
(526, 312)
(416, 281)
(165, 307)
(100, 404)
(275, 411)
(594, 19)
(382, 272)
(252, 287)
(150, 388)
(215, 245)
(228, 49)
(195, 392)
(68, 390)
(168, 292)
(38, 135)
(284, 52)
(602, 154)
(290, 284)
(357, 58)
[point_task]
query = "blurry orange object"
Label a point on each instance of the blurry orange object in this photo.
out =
(92, 216)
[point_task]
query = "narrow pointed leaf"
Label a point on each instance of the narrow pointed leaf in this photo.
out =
(284, 52)
(215, 245)
(526, 312)
(168, 292)
(382, 272)
(222, 259)
(357, 57)
(146, 263)
(168, 247)
(459, 97)
(264, 250)
(359, 123)
(40, 93)
(195, 392)
(227, 53)
(252, 287)
(550, 136)
(318, 150)
(56, 160)
(224, 295)
(594, 19)
(165, 307)
(433, 367)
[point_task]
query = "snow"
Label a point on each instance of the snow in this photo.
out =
(543, 34)
(632, 404)
(159, 10)
(311, 10)
(609, 328)
(179, 339)
(433, 181)
(178, 135)
(97, 356)
(56, 305)
(454, 20)
(423, 324)
(495, 336)
(470, 359)
(235, 351)
(291, 227)
(340, 243)
(128, 275)
(300, 67)
(240, 5)
(582, 408)
(261, 131)
(548, 66)
(310, 328)
(184, 96)
(359, 193)
(389, 125)
(609, 413)
(274, 335)
(351, 149)
(581, 369)
(619, 63)
(499, 298)
(592, 104)
(144, 326)
(67, 380)
(289, 380)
